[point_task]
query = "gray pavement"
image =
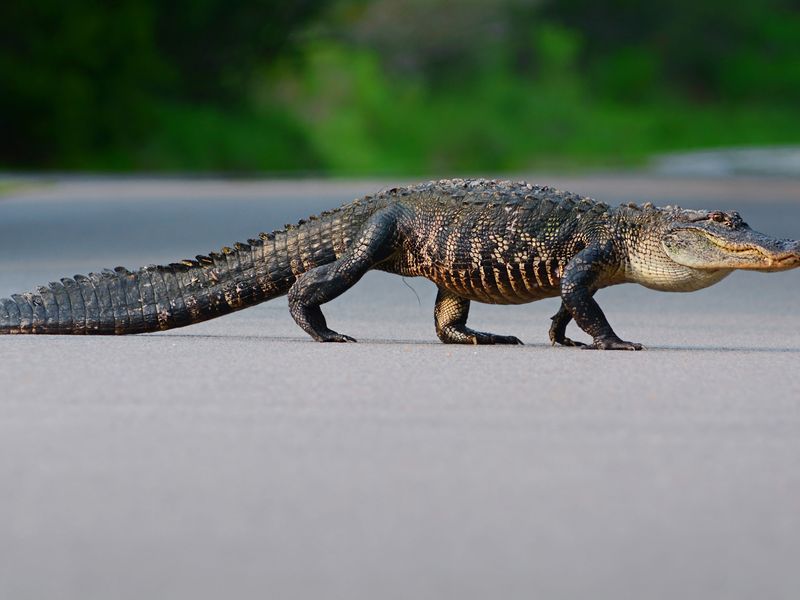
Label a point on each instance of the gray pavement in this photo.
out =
(238, 459)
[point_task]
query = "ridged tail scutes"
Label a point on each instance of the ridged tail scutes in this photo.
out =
(155, 297)
(160, 297)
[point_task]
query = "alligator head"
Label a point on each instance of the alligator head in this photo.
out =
(683, 250)
(712, 240)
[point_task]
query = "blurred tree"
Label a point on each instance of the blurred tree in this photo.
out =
(76, 77)
(435, 39)
(378, 85)
(213, 46)
(710, 51)
(83, 78)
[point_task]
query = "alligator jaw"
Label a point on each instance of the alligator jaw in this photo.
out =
(758, 258)
(742, 248)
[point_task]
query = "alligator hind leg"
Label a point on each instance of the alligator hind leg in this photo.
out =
(450, 315)
(374, 244)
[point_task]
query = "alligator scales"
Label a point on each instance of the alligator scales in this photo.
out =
(478, 240)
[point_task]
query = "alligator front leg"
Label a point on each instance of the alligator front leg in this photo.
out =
(558, 328)
(375, 243)
(450, 315)
(578, 284)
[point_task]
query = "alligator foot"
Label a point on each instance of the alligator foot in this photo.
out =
(333, 336)
(481, 337)
(612, 344)
(311, 319)
(565, 341)
(450, 315)
(454, 334)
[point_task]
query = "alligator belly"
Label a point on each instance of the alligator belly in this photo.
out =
(496, 284)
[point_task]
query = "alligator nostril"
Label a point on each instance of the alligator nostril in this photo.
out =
(792, 249)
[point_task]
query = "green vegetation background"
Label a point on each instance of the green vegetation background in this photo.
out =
(355, 87)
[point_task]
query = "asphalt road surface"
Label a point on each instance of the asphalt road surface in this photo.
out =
(239, 459)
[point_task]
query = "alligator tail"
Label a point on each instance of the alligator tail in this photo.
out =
(156, 298)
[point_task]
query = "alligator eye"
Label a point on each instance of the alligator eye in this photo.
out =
(717, 216)
(737, 221)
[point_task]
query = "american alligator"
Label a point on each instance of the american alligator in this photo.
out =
(484, 240)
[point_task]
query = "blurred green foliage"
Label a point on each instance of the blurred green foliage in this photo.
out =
(145, 84)
(390, 86)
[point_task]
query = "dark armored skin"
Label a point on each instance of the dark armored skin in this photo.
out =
(489, 241)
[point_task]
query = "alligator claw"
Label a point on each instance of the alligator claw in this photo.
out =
(480, 337)
(613, 345)
(565, 341)
(332, 336)
(507, 339)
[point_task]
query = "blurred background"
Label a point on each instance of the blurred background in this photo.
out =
(390, 87)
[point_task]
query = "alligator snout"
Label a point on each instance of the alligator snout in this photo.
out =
(787, 254)
(791, 248)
